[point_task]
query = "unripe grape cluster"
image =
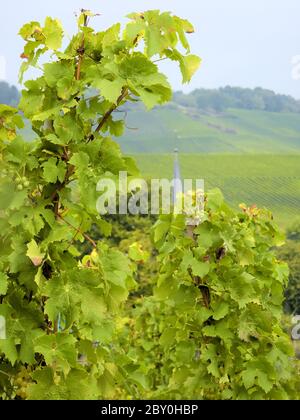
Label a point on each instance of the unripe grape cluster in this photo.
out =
(21, 382)
(21, 181)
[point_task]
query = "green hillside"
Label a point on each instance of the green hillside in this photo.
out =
(195, 131)
(270, 181)
(252, 155)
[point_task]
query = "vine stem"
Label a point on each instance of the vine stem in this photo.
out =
(5, 373)
(87, 237)
(205, 292)
(55, 195)
(81, 49)
(111, 110)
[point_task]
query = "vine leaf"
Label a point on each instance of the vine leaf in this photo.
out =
(34, 253)
(58, 350)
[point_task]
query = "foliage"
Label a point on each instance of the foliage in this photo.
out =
(213, 327)
(131, 234)
(207, 99)
(293, 230)
(195, 130)
(191, 130)
(236, 97)
(290, 253)
(61, 306)
(289, 324)
(270, 181)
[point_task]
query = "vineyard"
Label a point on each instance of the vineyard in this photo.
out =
(270, 181)
(115, 306)
(197, 131)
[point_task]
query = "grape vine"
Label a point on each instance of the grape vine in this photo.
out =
(61, 306)
(212, 327)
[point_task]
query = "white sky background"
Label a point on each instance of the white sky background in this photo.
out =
(244, 43)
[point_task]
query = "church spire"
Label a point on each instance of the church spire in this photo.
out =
(176, 177)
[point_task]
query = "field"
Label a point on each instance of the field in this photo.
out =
(252, 156)
(193, 131)
(271, 181)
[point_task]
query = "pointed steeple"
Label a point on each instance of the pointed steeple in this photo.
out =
(176, 177)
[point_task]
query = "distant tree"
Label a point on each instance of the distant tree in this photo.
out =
(237, 97)
(9, 95)
(185, 100)
(293, 231)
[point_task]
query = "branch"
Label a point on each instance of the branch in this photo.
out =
(160, 59)
(204, 289)
(81, 50)
(5, 373)
(111, 109)
(87, 237)
(55, 195)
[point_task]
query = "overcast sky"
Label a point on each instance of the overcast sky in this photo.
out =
(244, 43)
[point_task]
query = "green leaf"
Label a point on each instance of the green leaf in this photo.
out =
(257, 373)
(75, 294)
(78, 385)
(168, 338)
(220, 310)
(8, 347)
(57, 71)
(199, 268)
(145, 80)
(3, 283)
(188, 64)
(58, 350)
(67, 128)
(161, 229)
(54, 170)
(53, 33)
(81, 161)
(55, 140)
(110, 90)
(242, 290)
(209, 354)
(132, 31)
(136, 253)
(116, 267)
(214, 199)
(34, 253)
(28, 29)
(140, 379)
(220, 330)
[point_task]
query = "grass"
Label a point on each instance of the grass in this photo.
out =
(271, 181)
(252, 156)
(235, 131)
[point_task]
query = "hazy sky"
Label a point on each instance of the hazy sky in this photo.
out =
(242, 43)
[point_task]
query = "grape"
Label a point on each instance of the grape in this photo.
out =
(23, 393)
(22, 381)
(26, 184)
(20, 187)
(19, 381)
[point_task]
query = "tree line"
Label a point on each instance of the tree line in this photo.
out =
(206, 99)
(236, 97)
(9, 95)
